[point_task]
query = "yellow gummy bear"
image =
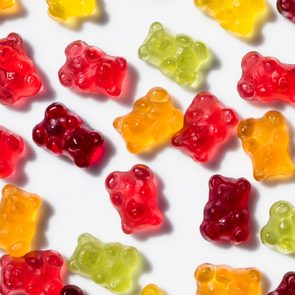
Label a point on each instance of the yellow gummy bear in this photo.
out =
(66, 9)
(18, 220)
(237, 16)
(266, 140)
(4, 4)
(151, 289)
(224, 280)
(151, 123)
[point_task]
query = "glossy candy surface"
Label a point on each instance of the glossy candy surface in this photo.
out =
(287, 286)
(178, 57)
(287, 9)
(71, 290)
(266, 140)
(224, 280)
(134, 193)
(88, 69)
(226, 214)
(36, 273)
(110, 265)
(6, 4)
(18, 76)
(18, 220)
(64, 133)
(11, 147)
(63, 10)
(207, 125)
(151, 289)
(152, 122)
(279, 232)
(239, 17)
(266, 79)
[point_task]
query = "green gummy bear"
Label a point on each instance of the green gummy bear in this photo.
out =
(178, 57)
(279, 232)
(112, 265)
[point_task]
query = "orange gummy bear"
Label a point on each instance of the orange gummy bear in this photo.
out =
(224, 280)
(152, 122)
(151, 289)
(18, 220)
(266, 140)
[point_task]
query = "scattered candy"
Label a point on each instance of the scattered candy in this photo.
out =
(134, 193)
(111, 265)
(178, 57)
(18, 220)
(224, 280)
(266, 79)
(151, 289)
(266, 140)
(239, 17)
(152, 122)
(287, 286)
(207, 125)
(279, 232)
(64, 133)
(36, 273)
(88, 69)
(287, 9)
(11, 147)
(18, 76)
(4, 4)
(71, 290)
(226, 215)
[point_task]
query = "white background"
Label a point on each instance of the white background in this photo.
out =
(76, 200)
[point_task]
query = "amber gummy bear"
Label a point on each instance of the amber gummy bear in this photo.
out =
(4, 4)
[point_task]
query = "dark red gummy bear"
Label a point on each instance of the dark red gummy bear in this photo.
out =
(11, 148)
(134, 193)
(71, 290)
(287, 9)
(89, 70)
(207, 124)
(64, 133)
(18, 76)
(226, 215)
(287, 286)
(36, 273)
(266, 79)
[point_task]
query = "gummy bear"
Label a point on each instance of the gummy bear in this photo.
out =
(266, 140)
(226, 215)
(18, 220)
(287, 9)
(88, 69)
(134, 194)
(64, 133)
(12, 147)
(111, 265)
(36, 273)
(71, 290)
(151, 123)
(63, 10)
(4, 4)
(151, 289)
(266, 79)
(178, 57)
(18, 76)
(236, 16)
(287, 286)
(224, 280)
(279, 232)
(207, 125)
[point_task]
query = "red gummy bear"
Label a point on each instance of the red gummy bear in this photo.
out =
(226, 215)
(287, 286)
(18, 76)
(11, 147)
(64, 133)
(266, 79)
(287, 9)
(36, 273)
(134, 194)
(89, 70)
(71, 290)
(207, 124)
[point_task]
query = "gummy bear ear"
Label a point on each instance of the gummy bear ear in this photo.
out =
(15, 38)
(281, 209)
(215, 181)
(246, 128)
(244, 185)
(76, 48)
(229, 117)
(112, 181)
(204, 273)
(141, 171)
(156, 26)
(85, 239)
(251, 59)
(201, 50)
(9, 190)
(158, 95)
(274, 117)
